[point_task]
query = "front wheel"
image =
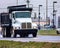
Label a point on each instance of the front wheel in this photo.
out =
(34, 34)
(14, 35)
(3, 32)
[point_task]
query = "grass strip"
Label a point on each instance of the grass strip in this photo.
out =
(13, 44)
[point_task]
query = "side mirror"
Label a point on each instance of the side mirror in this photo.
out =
(13, 16)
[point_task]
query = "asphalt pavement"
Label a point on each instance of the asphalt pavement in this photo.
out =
(39, 38)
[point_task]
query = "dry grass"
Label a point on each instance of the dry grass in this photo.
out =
(48, 32)
(12, 44)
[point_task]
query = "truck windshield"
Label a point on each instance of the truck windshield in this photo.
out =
(22, 14)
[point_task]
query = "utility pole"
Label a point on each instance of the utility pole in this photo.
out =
(39, 17)
(28, 3)
(35, 15)
(17, 2)
(54, 13)
(46, 10)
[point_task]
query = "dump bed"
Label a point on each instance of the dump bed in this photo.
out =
(5, 19)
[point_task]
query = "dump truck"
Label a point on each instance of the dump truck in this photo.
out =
(18, 22)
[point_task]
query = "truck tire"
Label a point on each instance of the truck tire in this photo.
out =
(14, 35)
(4, 36)
(8, 33)
(34, 34)
(3, 32)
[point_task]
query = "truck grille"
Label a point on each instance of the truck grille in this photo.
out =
(26, 25)
(23, 25)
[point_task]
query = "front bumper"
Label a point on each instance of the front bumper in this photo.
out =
(25, 31)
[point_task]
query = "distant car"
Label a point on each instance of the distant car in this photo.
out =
(48, 26)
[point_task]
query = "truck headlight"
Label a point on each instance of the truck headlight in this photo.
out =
(16, 28)
(34, 27)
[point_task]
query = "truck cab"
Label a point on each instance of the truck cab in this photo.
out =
(22, 20)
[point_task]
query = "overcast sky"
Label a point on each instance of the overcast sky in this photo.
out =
(5, 3)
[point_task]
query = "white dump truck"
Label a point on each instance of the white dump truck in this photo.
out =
(19, 22)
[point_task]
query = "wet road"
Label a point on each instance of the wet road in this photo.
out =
(39, 38)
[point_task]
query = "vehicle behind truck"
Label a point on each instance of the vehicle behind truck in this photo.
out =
(18, 22)
(57, 23)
